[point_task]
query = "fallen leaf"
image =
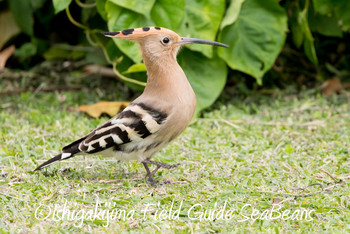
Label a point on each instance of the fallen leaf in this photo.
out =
(331, 86)
(109, 108)
(5, 55)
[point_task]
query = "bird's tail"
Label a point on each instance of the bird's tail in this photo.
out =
(57, 158)
(68, 152)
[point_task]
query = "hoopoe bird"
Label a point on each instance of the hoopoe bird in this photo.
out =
(155, 118)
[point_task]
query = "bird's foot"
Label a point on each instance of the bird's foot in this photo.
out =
(159, 165)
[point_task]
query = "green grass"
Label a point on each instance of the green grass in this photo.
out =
(289, 151)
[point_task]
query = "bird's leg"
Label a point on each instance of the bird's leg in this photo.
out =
(159, 165)
(149, 174)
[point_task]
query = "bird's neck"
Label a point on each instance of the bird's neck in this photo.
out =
(170, 92)
(167, 80)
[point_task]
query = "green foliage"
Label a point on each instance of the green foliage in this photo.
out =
(142, 7)
(60, 5)
(254, 46)
(63, 52)
(206, 75)
(121, 18)
(232, 13)
(168, 13)
(8, 27)
(22, 13)
(325, 25)
(202, 20)
(255, 30)
(100, 5)
(339, 8)
(301, 31)
(326, 17)
(25, 51)
(138, 67)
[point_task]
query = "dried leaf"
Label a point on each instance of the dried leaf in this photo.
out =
(330, 86)
(5, 55)
(304, 202)
(109, 108)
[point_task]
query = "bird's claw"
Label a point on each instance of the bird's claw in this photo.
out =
(159, 165)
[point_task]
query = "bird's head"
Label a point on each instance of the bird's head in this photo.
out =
(158, 42)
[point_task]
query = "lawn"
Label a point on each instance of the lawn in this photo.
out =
(275, 164)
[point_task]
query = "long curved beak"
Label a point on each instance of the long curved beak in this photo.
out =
(187, 40)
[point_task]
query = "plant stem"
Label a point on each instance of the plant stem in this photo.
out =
(85, 5)
(115, 70)
(79, 25)
(124, 77)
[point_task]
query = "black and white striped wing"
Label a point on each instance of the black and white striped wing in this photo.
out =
(134, 124)
(137, 122)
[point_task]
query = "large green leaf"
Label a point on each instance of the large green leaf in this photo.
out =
(324, 7)
(202, 20)
(120, 18)
(256, 38)
(232, 13)
(139, 6)
(114, 54)
(60, 5)
(100, 5)
(22, 12)
(207, 76)
(112, 51)
(168, 13)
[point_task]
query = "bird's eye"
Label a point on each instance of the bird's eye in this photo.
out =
(166, 40)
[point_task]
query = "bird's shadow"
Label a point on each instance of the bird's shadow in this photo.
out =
(99, 176)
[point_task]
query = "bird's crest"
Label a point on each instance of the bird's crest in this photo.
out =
(135, 33)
